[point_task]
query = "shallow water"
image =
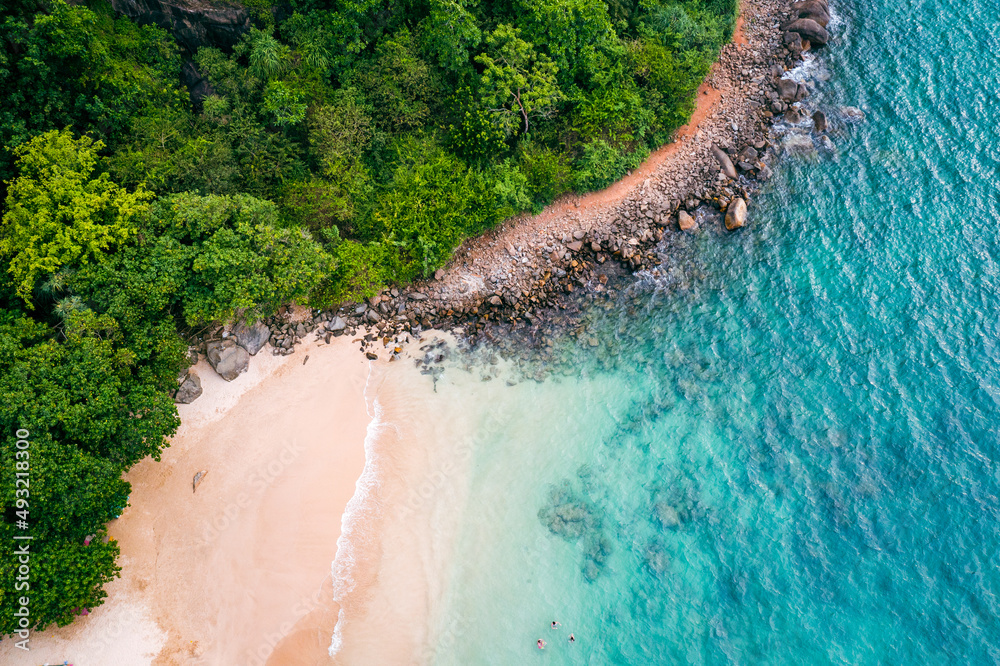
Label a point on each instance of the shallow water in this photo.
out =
(784, 448)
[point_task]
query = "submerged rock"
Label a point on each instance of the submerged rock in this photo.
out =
(227, 358)
(852, 113)
(819, 122)
(667, 515)
(798, 144)
(570, 520)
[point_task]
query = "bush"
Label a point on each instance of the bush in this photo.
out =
(358, 273)
(548, 173)
(602, 164)
(434, 201)
(241, 259)
(59, 212)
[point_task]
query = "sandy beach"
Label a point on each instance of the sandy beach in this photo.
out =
(239, 571)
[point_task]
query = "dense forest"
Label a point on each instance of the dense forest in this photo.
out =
(339, 146)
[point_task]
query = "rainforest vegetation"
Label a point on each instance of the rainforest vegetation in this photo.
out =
(339, 146)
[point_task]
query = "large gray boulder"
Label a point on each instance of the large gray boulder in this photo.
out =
(787, 89)
(736, 214)
(252, 338)
(229, 359)
(817, 10)
(811, 30)
(727, 164)
(193, 23)
(189, 389)
(808, 4)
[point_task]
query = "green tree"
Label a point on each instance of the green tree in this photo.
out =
(576, 34)
(59, 213)
(398, 82)
(241, 260)
(518, 82)
(450, 32)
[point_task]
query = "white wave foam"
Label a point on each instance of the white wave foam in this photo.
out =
(363, 509)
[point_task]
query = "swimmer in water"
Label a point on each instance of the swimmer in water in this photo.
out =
(540, 644)
(572, 638)
(555, 625)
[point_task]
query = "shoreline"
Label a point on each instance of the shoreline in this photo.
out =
(239, 569)
(511, 276)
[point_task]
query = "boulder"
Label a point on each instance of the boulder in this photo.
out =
(787, 89)
(193, 23)
(736, 214)
(809, 29)
(793, 41)
(575, 246)
(749, 154)
(252, 338)
(806, 4)
(801, 92)
(724, 162)
(336, 324)
(819, 122)
(811, 9)
(686, 221)
(819, 15)
(227, 358)
(189, 389)
(792, 116)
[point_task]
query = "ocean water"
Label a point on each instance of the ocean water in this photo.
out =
(785, 446)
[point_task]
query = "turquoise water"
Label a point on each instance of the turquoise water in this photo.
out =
(786, 449)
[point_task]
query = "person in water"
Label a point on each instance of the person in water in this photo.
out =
(540, 644)
(572, 638)
(555, 625)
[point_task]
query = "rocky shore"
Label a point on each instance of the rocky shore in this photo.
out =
(532, 272)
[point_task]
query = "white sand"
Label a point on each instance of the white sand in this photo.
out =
(239, 571)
